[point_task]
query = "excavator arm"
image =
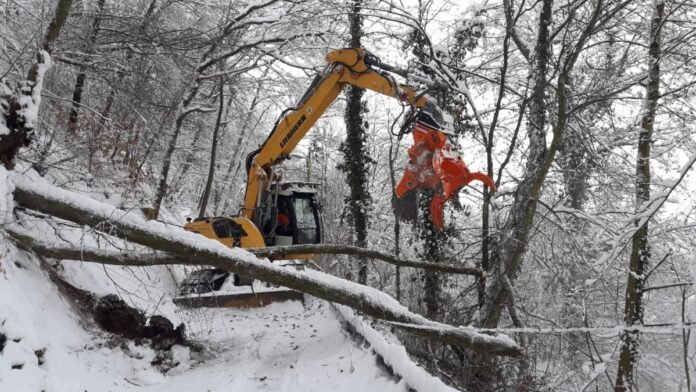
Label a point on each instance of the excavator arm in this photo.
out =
(432, 163)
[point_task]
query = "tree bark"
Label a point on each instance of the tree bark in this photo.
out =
(20, 128)
(330, 249)
(81, 76)
(235, 162)
(573, 162)
(181, 114)
(640, 249)
(486, 210)
(189, 247)
(512, 247)
(433, 241)
(355, 156)
(397, 223)
(65, 252)
(213, 152)
(189, 159)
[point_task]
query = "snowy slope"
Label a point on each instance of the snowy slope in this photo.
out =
(48, 344)
(283, 347)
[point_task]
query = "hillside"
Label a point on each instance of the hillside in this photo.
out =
(288, 346)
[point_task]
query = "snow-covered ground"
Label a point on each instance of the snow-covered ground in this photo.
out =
(48, 344)
(283, 347)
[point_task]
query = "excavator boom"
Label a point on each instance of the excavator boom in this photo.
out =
(276, 212)
(433, 163)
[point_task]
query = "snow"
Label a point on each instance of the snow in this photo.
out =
(31, 103)
(283, 347)
(34, 316)
(598, 370)
(244, 262)
(394, 355)
(5, 91)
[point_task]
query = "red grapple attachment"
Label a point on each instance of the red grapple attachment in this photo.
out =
(433, 164)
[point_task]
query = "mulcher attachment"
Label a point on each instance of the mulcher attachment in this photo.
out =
(434, 164)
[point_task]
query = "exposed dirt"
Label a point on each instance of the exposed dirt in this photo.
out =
(113, 315)
(20, 134)
(162, 333)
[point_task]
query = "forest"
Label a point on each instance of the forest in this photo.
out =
(568, 267)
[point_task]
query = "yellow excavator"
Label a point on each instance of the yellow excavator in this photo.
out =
(275, 212)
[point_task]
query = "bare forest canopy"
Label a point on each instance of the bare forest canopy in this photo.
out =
(581, 112)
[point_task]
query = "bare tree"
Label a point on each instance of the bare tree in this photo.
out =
(213, 151)
(640, 249)
(14, 108)
(81, 76)
(356, 160)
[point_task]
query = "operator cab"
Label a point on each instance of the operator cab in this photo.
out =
(289, 214)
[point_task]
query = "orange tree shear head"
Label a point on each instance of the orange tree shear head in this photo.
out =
(433, 164)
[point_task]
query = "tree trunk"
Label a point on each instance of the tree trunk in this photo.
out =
(213, 152)
(486, 211)
(330, 249)
(522, 212)
(397, 223)
(355, 156)
(188, 160)
(167, 161)
(433, 240)
(640, 249)
(76, 100)
(181, 113)
(512, 246)
(189, 249)
(20, 127)
(147, 17)
(221, 198)
(81, 76)
(573, 162)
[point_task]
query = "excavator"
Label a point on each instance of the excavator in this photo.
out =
(276, 212)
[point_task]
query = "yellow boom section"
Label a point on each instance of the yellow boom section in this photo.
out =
(345, 67)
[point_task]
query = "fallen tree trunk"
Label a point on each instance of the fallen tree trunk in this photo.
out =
(57, 251)
(330, 249)
(53, 250)
(192, 249)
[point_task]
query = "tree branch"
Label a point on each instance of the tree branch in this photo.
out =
(191, 249)
(331, 249)
(26, 240)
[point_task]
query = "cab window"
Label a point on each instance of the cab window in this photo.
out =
(306, 221)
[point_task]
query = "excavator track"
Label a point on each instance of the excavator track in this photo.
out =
(240, 300)
(217, 288)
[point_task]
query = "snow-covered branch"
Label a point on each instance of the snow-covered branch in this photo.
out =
(191, 249)
(331, 249)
